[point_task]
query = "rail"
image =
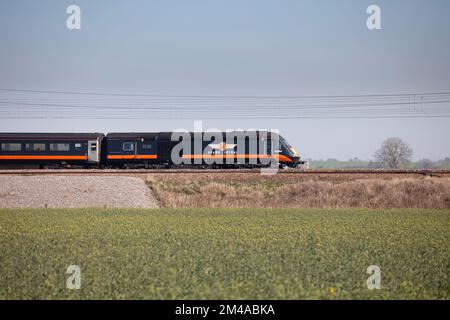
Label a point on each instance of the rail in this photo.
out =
(220, 171)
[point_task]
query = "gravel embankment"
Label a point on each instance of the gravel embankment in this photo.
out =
(64, 191)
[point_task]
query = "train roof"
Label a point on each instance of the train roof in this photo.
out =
(48, 135)
(132, 135)
(161, 135)
(95, 135)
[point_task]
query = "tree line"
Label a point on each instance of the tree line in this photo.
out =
(393, 153)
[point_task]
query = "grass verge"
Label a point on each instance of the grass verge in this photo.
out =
(273, 192)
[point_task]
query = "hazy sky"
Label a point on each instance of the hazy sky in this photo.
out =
(236, 47)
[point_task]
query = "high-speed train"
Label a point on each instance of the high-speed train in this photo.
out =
(235, 149)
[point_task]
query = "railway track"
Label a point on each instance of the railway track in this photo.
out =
(217, 171)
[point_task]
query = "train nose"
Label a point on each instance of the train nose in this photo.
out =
(296, 159)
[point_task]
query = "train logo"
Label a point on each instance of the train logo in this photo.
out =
(222, 146)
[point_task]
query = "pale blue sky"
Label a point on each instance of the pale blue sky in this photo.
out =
(231, 47)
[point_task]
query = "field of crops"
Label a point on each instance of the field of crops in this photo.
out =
(220, 253)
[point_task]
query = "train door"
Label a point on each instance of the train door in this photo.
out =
(165, 151)
(93, 153)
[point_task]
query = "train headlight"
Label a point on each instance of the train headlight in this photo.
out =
(294, 152)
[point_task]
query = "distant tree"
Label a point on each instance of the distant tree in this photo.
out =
(443, 164)
(425, 164)
(394, 153)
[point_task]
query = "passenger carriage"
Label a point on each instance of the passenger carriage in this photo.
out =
(51, 150)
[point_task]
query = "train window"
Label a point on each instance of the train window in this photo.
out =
(35, 147)
(39, 147)
(146, 146)
(77, 145)
(59, 147)
(128, 146)
(94, 146)
(11, 146)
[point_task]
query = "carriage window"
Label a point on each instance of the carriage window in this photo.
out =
(35, 147)
(11, 147)
(128, 146)
(146, 146)
(39, 147)
(94, 146)
(77, 145)
(59, 147)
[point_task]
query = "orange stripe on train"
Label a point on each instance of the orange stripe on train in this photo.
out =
(281, 158)
(132, 156)
(17, 157)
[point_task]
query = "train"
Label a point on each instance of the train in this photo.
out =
(249, 149)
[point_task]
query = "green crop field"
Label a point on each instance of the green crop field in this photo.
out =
(220, 253)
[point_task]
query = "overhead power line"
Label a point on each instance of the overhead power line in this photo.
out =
(34, 104)
(214, 96)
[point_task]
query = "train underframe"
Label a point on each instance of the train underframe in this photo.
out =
(169, 165)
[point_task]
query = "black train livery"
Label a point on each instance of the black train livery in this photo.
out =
(144, 150)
